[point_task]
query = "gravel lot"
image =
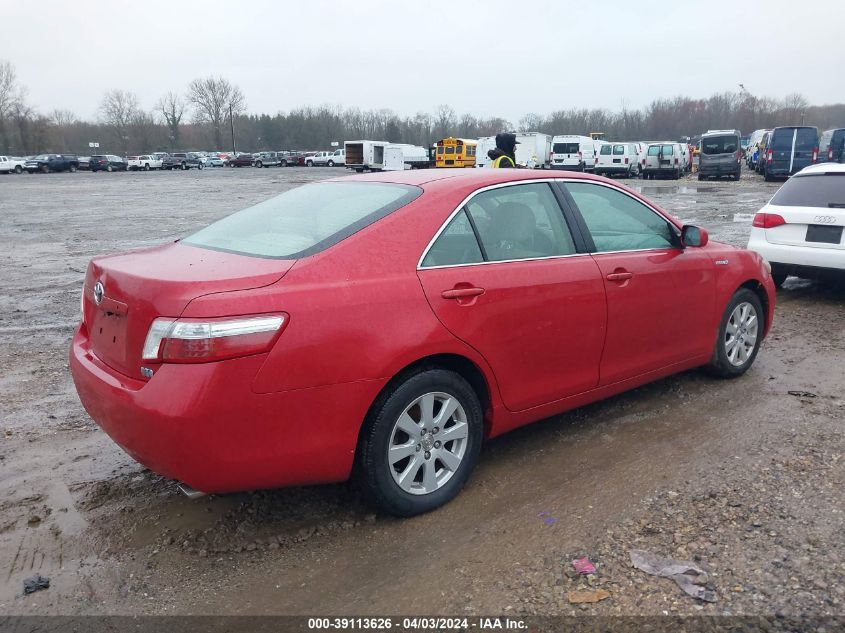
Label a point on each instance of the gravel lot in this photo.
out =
(740, 477)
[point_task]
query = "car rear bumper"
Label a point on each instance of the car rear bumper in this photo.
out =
(718, 170)
(202, 424)
(613, 169)
(817, 257)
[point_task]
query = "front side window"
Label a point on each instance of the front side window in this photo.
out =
(618, 222)
(305, 220)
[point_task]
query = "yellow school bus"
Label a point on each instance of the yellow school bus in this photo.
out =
(455, 152)
(597, 136)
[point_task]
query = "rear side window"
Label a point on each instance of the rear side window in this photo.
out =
(618, 222)
(456, 245)
(719, 144)
(305, 220)
(826, 191)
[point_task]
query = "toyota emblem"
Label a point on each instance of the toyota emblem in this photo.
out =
(99, 291)
(824, 219)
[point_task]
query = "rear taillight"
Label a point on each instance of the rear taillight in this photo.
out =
(769, 156)
(815, 154)
(579, 155)
(767, 220)
(626, 160)
(676, 160)
(830, 153)
(207, 340)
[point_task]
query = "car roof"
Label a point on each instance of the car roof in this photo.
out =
(823, 168)
(480, 177)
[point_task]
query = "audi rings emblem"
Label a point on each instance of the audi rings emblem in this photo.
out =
(824, 219)
(99, 292)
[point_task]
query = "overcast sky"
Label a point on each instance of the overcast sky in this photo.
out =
(488, 57)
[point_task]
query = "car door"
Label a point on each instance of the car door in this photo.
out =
(504, 275)
(660, 297)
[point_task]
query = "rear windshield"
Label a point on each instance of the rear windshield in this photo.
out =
(618, 150)
(305, 220)
(655, 150)
(820, 190)
(606, 150)
(719, 144)
(566, 148)
(805, 139)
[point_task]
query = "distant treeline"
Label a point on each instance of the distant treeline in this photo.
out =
(200, 120)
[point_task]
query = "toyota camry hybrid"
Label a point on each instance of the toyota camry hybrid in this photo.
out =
(383, 326)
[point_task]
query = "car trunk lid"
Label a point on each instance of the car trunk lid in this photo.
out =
(808, 226)
(124, 293)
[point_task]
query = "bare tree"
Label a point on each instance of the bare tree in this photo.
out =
(61, 121)
(11, 95)
(172, 108)
(214, 98)
(119, 109)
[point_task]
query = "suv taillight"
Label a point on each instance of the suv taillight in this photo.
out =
(769, 156)
(207, 340)
(830, 152)
(815, 154)
(767, 220)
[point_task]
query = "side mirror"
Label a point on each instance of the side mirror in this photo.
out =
(693, 236)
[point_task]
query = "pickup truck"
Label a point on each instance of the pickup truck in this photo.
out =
(46, 163)
(181, 160)
(144, 162)
(267, 159)
(9, 164)
(241, 160)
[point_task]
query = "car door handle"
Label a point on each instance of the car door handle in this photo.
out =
(621, 276)
(461, 293)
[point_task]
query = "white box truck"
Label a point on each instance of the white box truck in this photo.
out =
(533, 150)
(361, 155)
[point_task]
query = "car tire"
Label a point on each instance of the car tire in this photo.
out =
(259, 164)
(309, 163)
(419, 455)
(200, 166)
(146, 167)
(184, 166)
(767, 177)
(731, 355)
(18, 169)
(72, 169)
(330, 163)
(109, 168)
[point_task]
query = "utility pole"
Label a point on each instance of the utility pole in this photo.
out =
(232, 124)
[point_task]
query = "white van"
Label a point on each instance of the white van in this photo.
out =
(573, 152)
(618, 158)
(664, 159)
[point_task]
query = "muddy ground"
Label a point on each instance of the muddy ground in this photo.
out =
(739, 476)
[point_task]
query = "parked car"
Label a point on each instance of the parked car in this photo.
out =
(752, 152)
(306, 159)
(573, 152)
(790, 149)
(241, 160)
(663, 159)
(289, 159)
(337, 158)
(760, 167)
(618, 159)
(319, 159)
(800, 230)
(721, 154)
(107, 162)
(179, 341)
(832, 146)
(214, 161)
(267, 159)
(9, 164)
(182, 160)
(144, 162)
(84, 162)
(52, 162)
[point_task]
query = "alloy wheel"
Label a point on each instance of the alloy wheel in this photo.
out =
(741, 334)
(428, 443)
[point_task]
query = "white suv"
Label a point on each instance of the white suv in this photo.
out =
(800, 230)
(320, 158)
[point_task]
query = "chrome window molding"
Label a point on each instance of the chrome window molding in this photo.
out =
(502, 185)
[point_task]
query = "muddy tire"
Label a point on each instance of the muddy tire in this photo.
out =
(740, 335)
(420, 443)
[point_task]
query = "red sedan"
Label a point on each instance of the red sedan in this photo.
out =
(394, 321)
